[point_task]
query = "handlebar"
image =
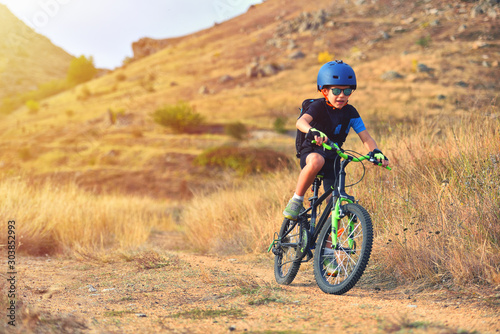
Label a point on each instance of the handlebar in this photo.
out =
(330, 145)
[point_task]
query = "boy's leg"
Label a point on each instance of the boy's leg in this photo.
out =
(314, 163)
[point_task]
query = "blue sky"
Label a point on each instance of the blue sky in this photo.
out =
(105, 29)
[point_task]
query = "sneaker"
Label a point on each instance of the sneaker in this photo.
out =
(331, 267)
(292, 210)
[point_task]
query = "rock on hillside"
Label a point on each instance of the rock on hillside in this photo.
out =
(147, 46)
(27, 59)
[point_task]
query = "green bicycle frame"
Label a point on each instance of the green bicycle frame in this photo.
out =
(336, 213)
(339, 196)
(335, 224)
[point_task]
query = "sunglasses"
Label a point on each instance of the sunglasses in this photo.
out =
(337, 91)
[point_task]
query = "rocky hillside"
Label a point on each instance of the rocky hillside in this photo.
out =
(413, 60)
(27, 59)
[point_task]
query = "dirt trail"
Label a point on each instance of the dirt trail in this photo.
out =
(182, 292)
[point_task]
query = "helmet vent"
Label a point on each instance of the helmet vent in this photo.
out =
(350, 77)
(335, 76)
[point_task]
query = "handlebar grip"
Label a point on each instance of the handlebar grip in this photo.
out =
(388, 168)
(329, 145)
(376, 163)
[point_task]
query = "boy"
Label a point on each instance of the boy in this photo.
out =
(329, 118)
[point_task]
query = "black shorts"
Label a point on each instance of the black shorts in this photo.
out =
(330, 169)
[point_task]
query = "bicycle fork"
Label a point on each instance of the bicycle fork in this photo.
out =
(337, 214)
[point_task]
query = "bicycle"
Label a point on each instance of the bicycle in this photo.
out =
(342, 249)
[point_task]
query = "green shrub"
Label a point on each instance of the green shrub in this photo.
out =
(179, 117)
(324, 57)
(243, 160)
(236, 130)
(81, 69)
(279, 125)
(424, 42)
(33, 106)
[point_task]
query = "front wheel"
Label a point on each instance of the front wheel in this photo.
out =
(338, 268)
(286, 251)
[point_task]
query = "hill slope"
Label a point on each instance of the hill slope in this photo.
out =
(413, 61)
(27, 59)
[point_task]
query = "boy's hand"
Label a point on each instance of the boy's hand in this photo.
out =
(377, 156)
(317, 135)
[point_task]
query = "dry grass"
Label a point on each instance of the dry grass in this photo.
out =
(30, 319)
(238, 219)
(51, 219)
(412, 201)
(437, 214)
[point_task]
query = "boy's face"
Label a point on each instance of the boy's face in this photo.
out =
(338, 101)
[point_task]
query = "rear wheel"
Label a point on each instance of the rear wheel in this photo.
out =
(338, 269)
(287, 251)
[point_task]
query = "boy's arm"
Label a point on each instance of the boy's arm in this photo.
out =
(370, 144)
(367, 140)
(303, 123)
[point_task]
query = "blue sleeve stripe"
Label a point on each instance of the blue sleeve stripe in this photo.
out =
(357, 124)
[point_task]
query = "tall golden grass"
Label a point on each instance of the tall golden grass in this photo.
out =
(436, 215)
(240, 218)
(64, 219)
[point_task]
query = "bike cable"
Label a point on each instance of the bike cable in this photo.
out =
(356, 155)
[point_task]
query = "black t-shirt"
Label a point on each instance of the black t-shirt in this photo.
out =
(335, 123)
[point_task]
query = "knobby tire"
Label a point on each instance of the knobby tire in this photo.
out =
(286, 262)
(337, 270)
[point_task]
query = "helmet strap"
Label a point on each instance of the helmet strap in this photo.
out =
(328, 101)
(326, 98)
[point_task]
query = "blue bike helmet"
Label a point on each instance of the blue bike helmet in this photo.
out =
(336, 73)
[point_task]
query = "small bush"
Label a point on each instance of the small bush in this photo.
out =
(414, 65)
(25, 154)
(324, 57)
(243, 160)
(279, 125)
(424, 42)
(81, 69)
(236, 130)
(179, 117)
(33, 106)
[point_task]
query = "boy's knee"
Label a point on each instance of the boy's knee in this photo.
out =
(316, 161)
